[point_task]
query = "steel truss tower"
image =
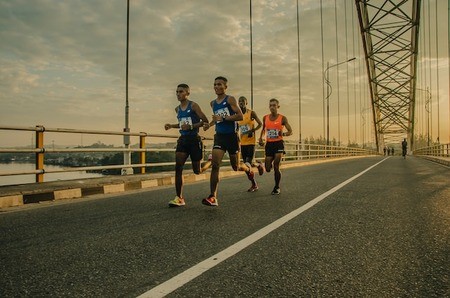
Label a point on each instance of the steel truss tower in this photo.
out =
(390, 31)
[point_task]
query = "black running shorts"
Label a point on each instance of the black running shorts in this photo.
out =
(227, 142)
(248, 152)
(192, 145)
(273, 148)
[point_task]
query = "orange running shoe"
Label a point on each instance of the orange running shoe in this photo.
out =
(210, 201)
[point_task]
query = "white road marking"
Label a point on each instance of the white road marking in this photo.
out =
(195, 271)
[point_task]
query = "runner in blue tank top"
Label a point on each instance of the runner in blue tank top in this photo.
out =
(223, 109)
(226, 112)
(190, 118)
(187, 116)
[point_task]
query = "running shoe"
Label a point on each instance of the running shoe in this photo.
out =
(210, 157)
(253, 188)
(210, 201)
(276, 191)
(260, 169)
(177, 202)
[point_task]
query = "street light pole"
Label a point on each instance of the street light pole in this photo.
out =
(126, 138)
(329, 90)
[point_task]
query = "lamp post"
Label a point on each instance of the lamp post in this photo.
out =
(126, 138)
(329, 90)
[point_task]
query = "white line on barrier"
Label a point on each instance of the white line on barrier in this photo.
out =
(195, 271)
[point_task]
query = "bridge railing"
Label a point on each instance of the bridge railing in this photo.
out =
(294, 151)
(441, 150)
(301, 151)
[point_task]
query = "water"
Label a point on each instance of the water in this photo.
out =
(23, 179)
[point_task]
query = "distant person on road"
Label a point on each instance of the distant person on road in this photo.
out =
(404, 148)
(226, 112)
(247, 136)
(190, 119)
(273, 125)
(384, 150)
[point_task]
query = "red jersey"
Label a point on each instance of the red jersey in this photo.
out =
(274, 129)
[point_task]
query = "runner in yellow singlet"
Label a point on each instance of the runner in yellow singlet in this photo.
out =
(247, 136)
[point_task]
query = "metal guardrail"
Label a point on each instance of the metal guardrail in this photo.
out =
(441, 150)
(294, 151)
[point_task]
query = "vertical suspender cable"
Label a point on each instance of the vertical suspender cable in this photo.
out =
(323, 69)
(299, 81)
(360, 81)
(423, 67)
(370, 129)
(337, 73)
(418, 103)
(429, 69)
(423, 70)
(348, 94)
(354, 69)
(419, 110)
(437, 73)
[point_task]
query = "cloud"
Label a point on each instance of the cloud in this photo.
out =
(63, 63)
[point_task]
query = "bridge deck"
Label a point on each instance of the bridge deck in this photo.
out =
(358, 227)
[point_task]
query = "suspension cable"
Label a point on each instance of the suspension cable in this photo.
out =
(323, 69)
(437, 73)
(429, 69)
(337, 73)
(299, 81)
(354, 70)
(346, 55)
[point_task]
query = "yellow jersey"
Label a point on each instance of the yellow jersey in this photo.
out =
(245, 125)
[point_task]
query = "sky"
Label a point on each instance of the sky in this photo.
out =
(63, 65)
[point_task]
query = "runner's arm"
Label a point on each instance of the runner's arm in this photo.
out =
(286, 124)
(260, 140)
(258, 121)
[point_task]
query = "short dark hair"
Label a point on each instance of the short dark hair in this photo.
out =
(221, 78)
(275, 100)
(244, 98)
(183, 85)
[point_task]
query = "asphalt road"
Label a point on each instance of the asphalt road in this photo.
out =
(384, 234)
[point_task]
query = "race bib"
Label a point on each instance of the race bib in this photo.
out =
(273, 133)
(223, 112)
(244, 128)
(185, 120)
